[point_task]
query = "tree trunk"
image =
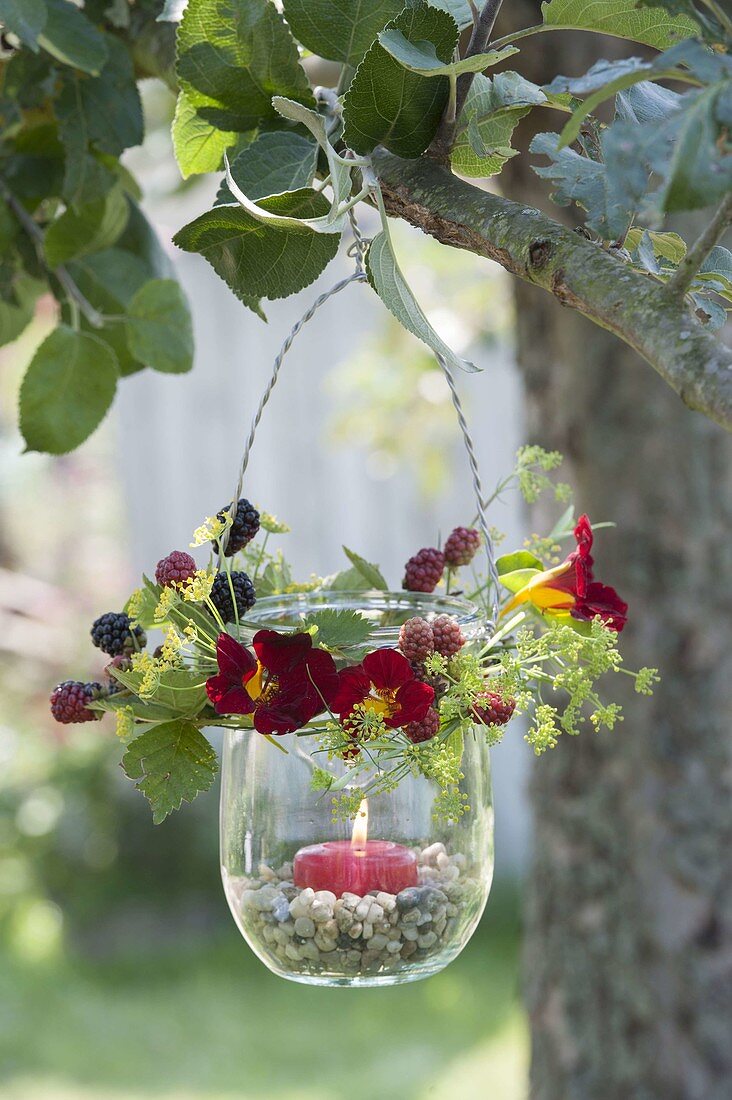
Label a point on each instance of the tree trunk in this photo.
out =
(629, 904)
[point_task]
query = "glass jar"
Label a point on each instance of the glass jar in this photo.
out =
(393, 897)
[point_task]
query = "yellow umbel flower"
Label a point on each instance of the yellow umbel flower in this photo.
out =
(172, 646)
(167, 601)
(209, 530)
(198, 588)
(125, 723)
(134, 606)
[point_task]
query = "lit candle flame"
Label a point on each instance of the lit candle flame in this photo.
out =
(361, 826)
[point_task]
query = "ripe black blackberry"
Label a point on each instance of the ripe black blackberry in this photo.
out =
(69, 702)
(492, 709)
(417, 732)
(423, 572)
(222, 600)
(177, 568)
(242, 530)
(438, 683)
(415, 639)
(447, 636)
(461, 546)
(114, 634)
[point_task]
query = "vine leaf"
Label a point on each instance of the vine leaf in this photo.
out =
(198, 145)
(421, 57)
(621, 18)
(26, 18)
(72, 38)
(170, 763)
(386, 104)
(341, 30)
(67, 390)
(233, 56)
(338, 629)
(256, 259)
(159, 331)
(370, 573)
(274, 163)
(91, 228)
(387, 280)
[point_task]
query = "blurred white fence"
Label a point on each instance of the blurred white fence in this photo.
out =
(180, 439)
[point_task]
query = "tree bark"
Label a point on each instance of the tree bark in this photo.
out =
(628, 958)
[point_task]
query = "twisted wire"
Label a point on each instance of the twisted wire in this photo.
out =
(477, 486)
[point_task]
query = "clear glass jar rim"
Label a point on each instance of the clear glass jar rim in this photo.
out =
(288, 610)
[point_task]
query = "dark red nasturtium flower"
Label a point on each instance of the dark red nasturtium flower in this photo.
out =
(283, 684)
(384, 682)
(569, 589)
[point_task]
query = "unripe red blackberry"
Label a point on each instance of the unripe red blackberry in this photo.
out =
(491, 709)
(177, 568)
(114, 634)
(242, 530)
(461, 546)
(438, 683)
(423, 572)
(447, 636)
(69, 702)
(222, 600)
(424, 730)
(123, 663)
(415, 639)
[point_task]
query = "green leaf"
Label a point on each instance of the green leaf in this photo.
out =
(67, 391)
(170, 764)
(518, 579)
(389, 283)
(199, 146)
(102, 113)
(25, 18)
(621, 18)
(108, 280)
(493, 109)
(340, 174)
(338, 629)
(17, 314)
(584, 181)
(92, 228)
(273, 163)
(233, 56)
(341, 30)
(667, 246)
(159, 330)
(716, 272)
(71, 38)
(347, 580)
(458, 9)
(370, 573)
(520, 559)
(181, 690)
(420, 57)
(385, 104)
(257, 259)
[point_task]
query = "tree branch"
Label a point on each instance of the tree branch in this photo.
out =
(579, 274)
(683, 277)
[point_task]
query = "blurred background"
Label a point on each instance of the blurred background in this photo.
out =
(121, 972)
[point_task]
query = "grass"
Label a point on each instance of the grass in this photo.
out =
(206, 1021)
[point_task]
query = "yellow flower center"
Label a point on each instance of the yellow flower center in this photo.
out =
(381, 702)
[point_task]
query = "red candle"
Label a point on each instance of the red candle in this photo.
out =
(337, 866)
(356, 866)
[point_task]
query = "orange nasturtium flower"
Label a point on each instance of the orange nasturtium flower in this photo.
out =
(570, 589)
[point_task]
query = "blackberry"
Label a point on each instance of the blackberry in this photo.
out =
(424, 570)
(461, 546)
(176, 568)
(424, 730)
(221, 595)
(69, 699)
(114, 634)
(447, 636)
(113, 685)
(438, 683)
(415, 639)
(242, 530)
(491, 709)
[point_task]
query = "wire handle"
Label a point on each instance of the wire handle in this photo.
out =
(358, 251)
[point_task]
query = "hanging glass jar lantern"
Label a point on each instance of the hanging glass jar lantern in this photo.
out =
(388, 897)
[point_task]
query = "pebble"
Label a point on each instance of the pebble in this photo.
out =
(315, 932)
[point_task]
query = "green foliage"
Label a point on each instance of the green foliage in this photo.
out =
(493, 110)
(170, 763)
(89, 228)
(391, 286)
(67, 390)
(621, 18)
(159, 332)
(370, 573)
(338, 629)
(385, 105)
(273, 163)
(341, 30)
